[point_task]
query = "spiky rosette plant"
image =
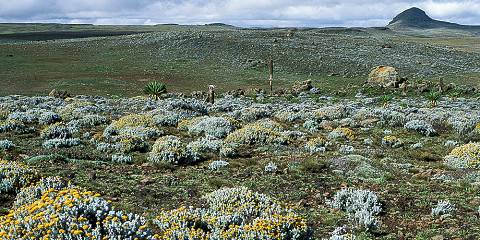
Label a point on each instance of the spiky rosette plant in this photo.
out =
(155, 89)
(386, 99)
(433, 97)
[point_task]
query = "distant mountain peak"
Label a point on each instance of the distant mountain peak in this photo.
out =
(412, 15)
(416, 18)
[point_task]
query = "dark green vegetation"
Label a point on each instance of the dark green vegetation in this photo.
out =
(188, 58)
(155, 89)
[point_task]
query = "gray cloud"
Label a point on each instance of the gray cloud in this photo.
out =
(238, 12)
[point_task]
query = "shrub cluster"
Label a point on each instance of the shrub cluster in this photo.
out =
(217, 165)
(342, 132)
(391, 141)
(360, 205)
(70, 213)
(131, 132)
(59, 135)
(6, 145)
(217, 127)
(465, 156)
(260, 132)
(14, 176)
(421, 126)
(316, 145)
(233, 213)
(170, 149)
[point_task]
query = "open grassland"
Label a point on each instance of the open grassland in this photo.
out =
(189, 58)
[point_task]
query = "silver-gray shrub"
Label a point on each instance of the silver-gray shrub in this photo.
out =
(361, 206)
(229, 151)
(48, 117)
(254, 112)
(216, 165)
(368, 141)
(347, 122)
(341, 233)
(141, 132)
(15, 126)
(166, 118)
(186, 106)
(421, 126)
(451, 143)
(416, 145)
(24, 117)
(294, 135)
(229, 104)
(170, 149)
(311, 126)
(463, 125)
(288, 116)
(107, 147)
(122, 159)
(217, 216)
(61, 143)
(57, 131)
(331, 112)
(217, 127)
(443, 208)
(346, 149)
(200, 148)
(390, 117)
(88, 121)
(6, 145)
(30, 194)
(271, 167)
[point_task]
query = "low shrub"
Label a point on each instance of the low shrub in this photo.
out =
(61, 143)
(57, 131)
(217, 165)
(421, 126)
(316, 145)
(465, 156)
(71, 214)
(341, 132)
(361, 205)
(14, 176)
(122, 159)
(233, 213)
(443, 208)
(6, 145)
(170, 149)
(217, 127)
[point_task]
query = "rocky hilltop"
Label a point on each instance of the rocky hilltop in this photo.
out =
(417, 19)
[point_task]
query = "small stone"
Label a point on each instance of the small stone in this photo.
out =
(92, 175)
(300, 87)
(438, 237)
(147, 181)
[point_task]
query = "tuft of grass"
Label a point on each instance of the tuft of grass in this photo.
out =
(314, 165)
(52, 158)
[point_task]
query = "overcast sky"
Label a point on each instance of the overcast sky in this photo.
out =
(315, 13)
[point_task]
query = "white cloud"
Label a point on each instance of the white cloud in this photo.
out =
(239, 12)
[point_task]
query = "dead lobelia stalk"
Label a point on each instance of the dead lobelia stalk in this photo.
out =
(211, 94)
(270, 70)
